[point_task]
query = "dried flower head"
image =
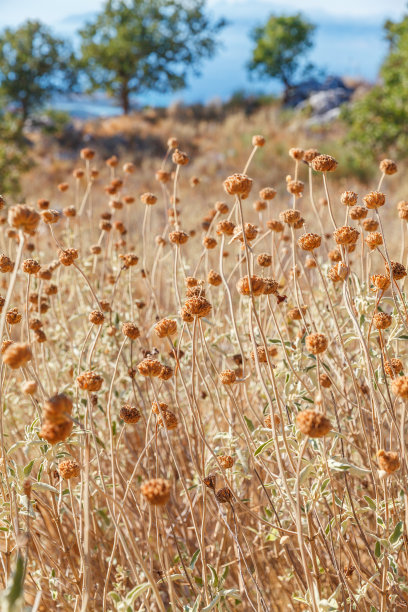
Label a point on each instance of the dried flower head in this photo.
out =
(381, 320)
(226, 461)
(67, 256)
(198, 306)
(30, 266)
(349, 198)
(313, 423)
(213, 278)
(295, 314)
(209, 242)
(180, 158)
(17, 354)
(90, 381)
(255, 286)
(324, 163)
(309, 241)
(358, 213)
(227, 377)
(380, 281)
(370, 225)
(166, 328)
(149, 367)
(268, 421)
(130, 414)
(224, 495)
(264, 260)
(389, 461)
(296, 153)
(258, 141)
(23, 217)
(393, 367)
(309, 155)
(295, 188)
(178, 237)
(400, 387)
(96, 317)
(50, 216)
(167, 419)
(69, 468)
(346, 235)
(156, 491)
(374, 199)
(374, 239)
(267, 193)
(29, 387)
(166, 373)
(290, 216)
(148, 198)
(225, 227)
(238, 184)
(274, 225)
(263, 355)
(387, 166)
(316, 343)
(130, 330)
(398, 270)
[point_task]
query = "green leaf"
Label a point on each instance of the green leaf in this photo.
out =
(263, 447)
(396, 534)
(28, 468)
(43, 486)
(370, 502)
(214, 575)
(15, 590)
(249, 423)
(377, 550)
(212, 604)
(194, 559)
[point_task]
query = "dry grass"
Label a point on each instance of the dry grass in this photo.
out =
(234, 427)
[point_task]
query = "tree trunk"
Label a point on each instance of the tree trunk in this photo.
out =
(124, 98)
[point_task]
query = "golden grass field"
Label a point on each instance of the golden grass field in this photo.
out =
(203, 383)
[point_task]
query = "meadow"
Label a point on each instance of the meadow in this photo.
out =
(203, 383)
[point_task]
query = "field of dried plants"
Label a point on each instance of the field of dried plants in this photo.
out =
(203, 389)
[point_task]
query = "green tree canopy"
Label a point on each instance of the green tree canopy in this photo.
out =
(34, 65)
(378, 122)
(280, 46)
(139, 45)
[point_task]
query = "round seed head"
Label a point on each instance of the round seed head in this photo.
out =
(324, 163)
(316, 343)
(156, 491)
(313, 423)
(69, 468)
(389, 461)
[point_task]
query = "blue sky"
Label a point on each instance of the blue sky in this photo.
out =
(349, 38)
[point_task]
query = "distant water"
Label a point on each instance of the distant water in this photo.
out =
(352, 48)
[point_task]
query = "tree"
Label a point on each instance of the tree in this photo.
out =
(280, 46)
(140, 45)
(378, 122)
(34, 65)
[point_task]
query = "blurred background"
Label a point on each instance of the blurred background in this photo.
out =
(339, 65)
